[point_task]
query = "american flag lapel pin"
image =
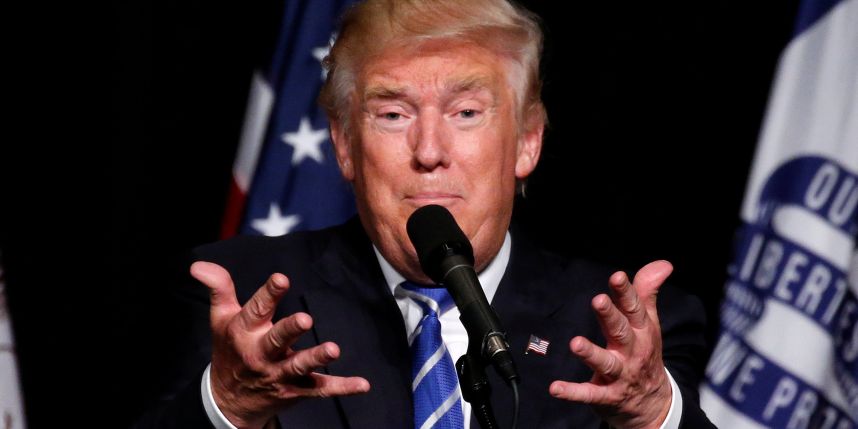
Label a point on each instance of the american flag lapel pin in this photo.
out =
(537, 345)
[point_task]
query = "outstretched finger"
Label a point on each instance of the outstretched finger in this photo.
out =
(649, 279)
(326, 386)
(604, 363)
(627, 300)
(614, 324)
(284, 333)
(304, 362)
(587, 393)
(259, 309)
(224, 304)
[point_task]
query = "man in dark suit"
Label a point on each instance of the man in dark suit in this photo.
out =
(432, 102)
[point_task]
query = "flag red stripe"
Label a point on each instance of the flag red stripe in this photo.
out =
(233, 212)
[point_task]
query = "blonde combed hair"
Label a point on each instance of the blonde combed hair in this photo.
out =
(373, 26)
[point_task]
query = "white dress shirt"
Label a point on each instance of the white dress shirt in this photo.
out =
(452, 333)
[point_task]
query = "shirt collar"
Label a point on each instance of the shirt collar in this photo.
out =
(490, 277)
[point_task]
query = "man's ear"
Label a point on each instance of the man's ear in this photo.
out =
(530, 142)
(342, 149)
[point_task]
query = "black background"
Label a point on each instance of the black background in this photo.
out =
(654, 114)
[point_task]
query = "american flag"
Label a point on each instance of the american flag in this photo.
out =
(537, 345)
(285, 176)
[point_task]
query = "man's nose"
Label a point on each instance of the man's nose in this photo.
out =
(432, 142)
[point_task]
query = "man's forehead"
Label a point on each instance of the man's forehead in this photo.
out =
(444, 64)
(389, 86)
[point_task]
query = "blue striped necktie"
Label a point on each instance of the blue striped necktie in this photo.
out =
(437, 399)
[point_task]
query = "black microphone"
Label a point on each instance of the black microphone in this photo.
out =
(447, 257)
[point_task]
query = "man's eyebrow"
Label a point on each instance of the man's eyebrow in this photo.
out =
(471, 83)
(384, 92)
(454, 87)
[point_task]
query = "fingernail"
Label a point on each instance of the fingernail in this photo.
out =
(303, 320)
(555, 389)
(201, 269)
(601, 302)
(279, 281)
(330, 350)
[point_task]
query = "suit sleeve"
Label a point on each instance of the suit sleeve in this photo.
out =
(684, 351)
(184, 410)
(180, 404)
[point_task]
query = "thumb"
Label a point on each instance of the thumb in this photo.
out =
(221, 289)
(649, 279)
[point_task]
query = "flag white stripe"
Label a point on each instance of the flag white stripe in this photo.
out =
(722, 414)
(806, 352)
(437, 414)
(256, 114)
(427, 366)
(814, 233)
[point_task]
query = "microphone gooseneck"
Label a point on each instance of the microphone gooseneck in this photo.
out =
(446, 256)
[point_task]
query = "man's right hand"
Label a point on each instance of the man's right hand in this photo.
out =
(254, 371)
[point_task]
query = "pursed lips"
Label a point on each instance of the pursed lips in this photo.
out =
(425, 198)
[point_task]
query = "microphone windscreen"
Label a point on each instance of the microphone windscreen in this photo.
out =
(435, 235)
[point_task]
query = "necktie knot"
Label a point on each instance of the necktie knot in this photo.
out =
(432, 299)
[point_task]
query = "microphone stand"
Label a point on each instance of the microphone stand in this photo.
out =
(476, 389)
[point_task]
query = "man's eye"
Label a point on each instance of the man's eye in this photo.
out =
(468, 113)
(392, 116)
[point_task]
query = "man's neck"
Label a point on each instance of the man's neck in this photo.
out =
(490, 277)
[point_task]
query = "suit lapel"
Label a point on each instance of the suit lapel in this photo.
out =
(527, 297)
(355, 309)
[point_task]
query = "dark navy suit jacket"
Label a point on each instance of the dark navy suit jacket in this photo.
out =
(335, 277)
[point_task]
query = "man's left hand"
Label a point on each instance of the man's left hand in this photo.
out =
(629, 388)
